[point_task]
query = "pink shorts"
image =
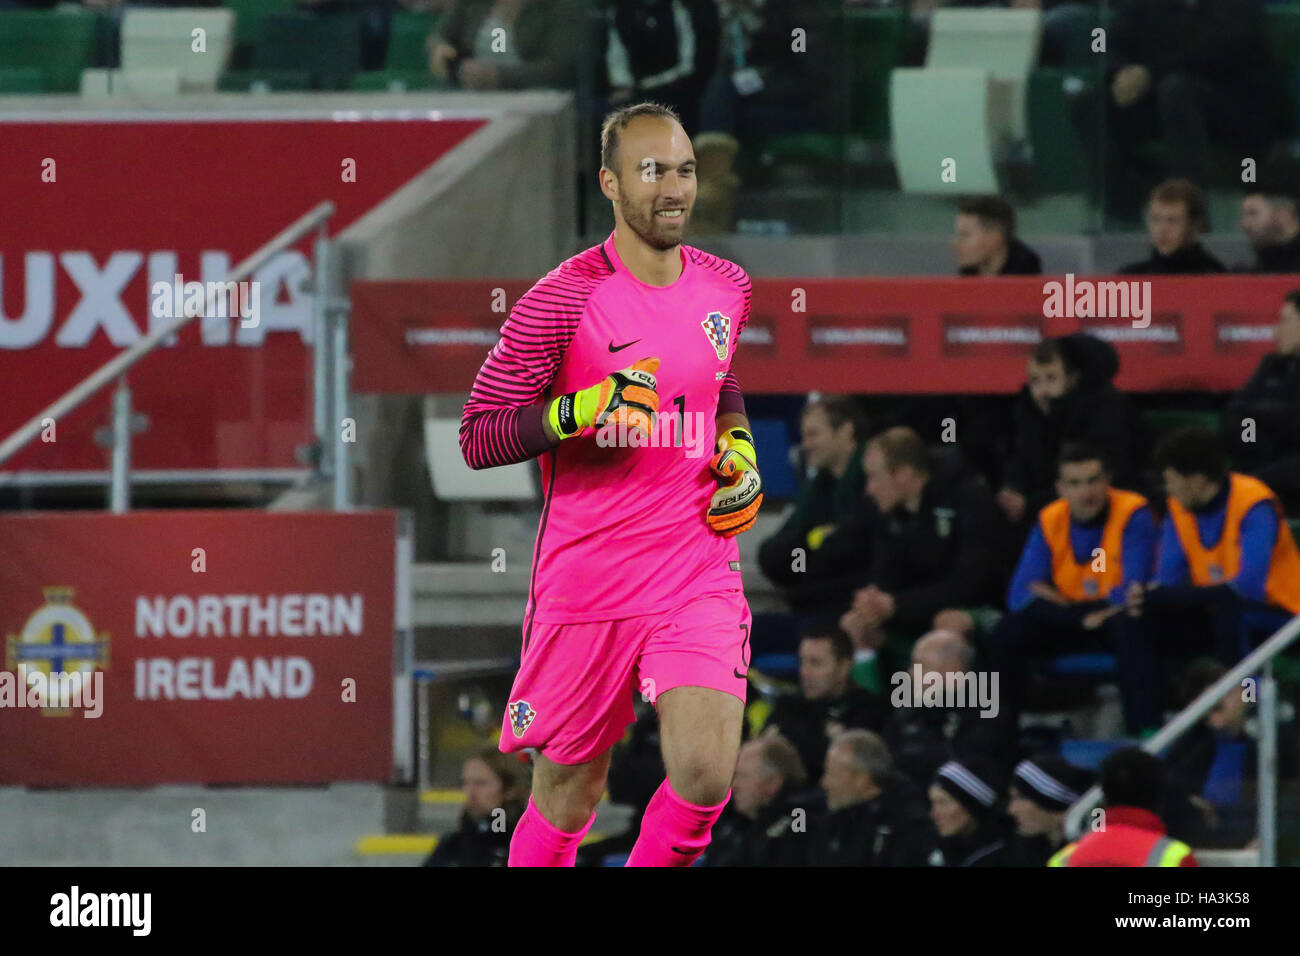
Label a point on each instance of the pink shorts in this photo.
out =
(573, 696)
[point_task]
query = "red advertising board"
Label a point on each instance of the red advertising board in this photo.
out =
(872, 335)
(213, 647)
(97, 212)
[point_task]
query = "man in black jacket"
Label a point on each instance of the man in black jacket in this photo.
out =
(984, 240)
(828, 702)
(1190, 72)
(1069, 397)
(937, 545)
(922, 739)
(768, 795)
(1270, 218)
(1175, 219)
(1269, 449)
(807, 557)
(875, 816)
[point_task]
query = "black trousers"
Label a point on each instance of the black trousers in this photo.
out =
(1023, 641)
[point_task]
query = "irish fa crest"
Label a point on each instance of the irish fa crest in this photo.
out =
(57, 640)
(521, 716)
(718, 328)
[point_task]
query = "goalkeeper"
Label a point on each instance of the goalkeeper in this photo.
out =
(636, 578)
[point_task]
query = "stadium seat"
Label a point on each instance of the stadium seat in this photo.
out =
(61, 44)
(876, 40)
(22, 79)
(408, 41)
(250, 17)
(938, 115)
(782, 666)
(614, 859)
(264, 81)
(771, 442)
(1283, 31)
(1095, 666)
(1090, 753)
(1060, 153)
(453, 480)
(164, 39)
(328, 46)
(137, 82)
(1003, 42)
(395, 81)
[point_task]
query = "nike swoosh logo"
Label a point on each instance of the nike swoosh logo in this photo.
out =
(619, 348)
(738, 674)
(678, 849)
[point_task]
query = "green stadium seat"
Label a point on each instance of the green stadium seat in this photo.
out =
(408, 40)
(1060, 153)
(876, 40)
(250, 15)
(22, 79)
(244, 81)
(1161, 421)
(59, 43)
(1282, 26)
(395, 81)
(328, 46)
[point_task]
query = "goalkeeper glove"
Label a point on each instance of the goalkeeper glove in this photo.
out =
(734, 506)
(626, 397)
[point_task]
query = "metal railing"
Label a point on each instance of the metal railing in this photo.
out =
(1189, 716)
(330, 368)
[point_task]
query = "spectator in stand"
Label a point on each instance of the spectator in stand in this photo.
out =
(875, 816)
(535, 49)
(984, 240)
(496, 792)
(1267, 412)
(966, 808)
(770, 785)
(1069, 396)
(1132, 783)
(828, 702)
(1175, 219)
(1270, 218)
(1227, 737)
(922, 739)
(1068, 592)
(832, 444)
(661, 50)
(936, 547)
(1227, 560)
(1188, 74)
(1042, 790)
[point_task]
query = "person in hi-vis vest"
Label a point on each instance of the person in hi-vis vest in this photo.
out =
(1129, 832)
(1067, 595)
(1227, 559)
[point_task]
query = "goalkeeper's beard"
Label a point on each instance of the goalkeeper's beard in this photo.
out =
(653, 233)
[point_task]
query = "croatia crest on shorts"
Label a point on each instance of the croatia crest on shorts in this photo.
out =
(718, 328)
(521, 716)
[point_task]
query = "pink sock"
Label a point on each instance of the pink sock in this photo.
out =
(538, 842)
(673, 832)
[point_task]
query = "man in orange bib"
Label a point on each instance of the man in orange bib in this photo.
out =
(1068, 591)
(1226, 552)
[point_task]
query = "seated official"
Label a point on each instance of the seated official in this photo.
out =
(966, 808)
(831, 436)
(1227, 560)
(828, 701)
(937, 544)
(1068, 591)
(1042, 790)
(768, 790)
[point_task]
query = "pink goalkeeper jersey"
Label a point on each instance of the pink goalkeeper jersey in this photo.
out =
(623, 529)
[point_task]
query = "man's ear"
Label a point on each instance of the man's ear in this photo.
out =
(609, 183)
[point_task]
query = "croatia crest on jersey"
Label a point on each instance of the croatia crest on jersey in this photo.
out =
(521, 716)
(718, 328)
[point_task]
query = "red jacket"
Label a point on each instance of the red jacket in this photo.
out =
(1130, 837)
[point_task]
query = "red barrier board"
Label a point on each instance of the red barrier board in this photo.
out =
(892, 336)
(215, 647)
(97, 212)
